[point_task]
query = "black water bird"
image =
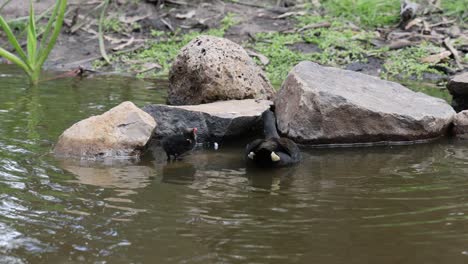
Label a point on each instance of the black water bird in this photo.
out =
(178, 144)
(273, 151)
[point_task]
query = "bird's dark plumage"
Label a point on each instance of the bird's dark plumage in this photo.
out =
(272, 151)
(178, 144)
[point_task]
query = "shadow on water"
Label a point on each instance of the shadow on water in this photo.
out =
(385, 204)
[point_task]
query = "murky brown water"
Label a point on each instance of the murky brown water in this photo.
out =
(387, 204)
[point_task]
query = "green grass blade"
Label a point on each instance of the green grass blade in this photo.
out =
(31, 39)
(11, 57)
(50, 23)
(55, 33)
(12, 39)
(102, 47)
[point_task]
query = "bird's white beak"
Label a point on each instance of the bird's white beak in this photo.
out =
(274, 157)
(251, 155)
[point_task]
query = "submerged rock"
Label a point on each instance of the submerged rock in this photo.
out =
(123, 131)
(210, 69)
(327, 105)
(458, 88)
(460, 125)
(214, 121)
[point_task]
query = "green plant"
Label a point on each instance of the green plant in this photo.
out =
(366, 12)
(37, 52)
(336, 46)
(165, 48)
(456, 8)
(407, 62)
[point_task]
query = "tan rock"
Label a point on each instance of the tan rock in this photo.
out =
(328, 105)
(120, 132)
(210, 69)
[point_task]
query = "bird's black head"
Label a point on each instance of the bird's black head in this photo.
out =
(190, 133)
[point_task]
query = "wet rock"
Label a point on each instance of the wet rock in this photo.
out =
(458, 88)
(373, 66)
(327, 105)
(214, 121)
(210, 69)
(122, 131)
(304, 47)
(460, 125)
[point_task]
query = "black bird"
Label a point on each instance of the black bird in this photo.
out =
(176, 145)
(273, 151)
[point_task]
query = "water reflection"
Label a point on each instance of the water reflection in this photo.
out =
(178, 173)
(119, 174)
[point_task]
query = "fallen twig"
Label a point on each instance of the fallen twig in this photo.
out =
(133, 19)
(124, 45)
(188, 15)
(288, 14)
(249, 4)
(412, 23)
(448, 22)
(426, 29)
(324, 24)
(4, 4)
(454, 53)
(168, 25)
(401, 43)
(85, 18)
(149, 67)
(263, 59)
(78, 72)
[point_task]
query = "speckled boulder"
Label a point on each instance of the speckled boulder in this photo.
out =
(210, 69)
(123, 131)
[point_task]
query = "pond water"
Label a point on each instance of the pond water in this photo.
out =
(385, 204)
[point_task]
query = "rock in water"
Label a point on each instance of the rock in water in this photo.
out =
(328, 105)
(210, 69)
(122, 131)
(214, 121)
(458, 88)
(460, 125)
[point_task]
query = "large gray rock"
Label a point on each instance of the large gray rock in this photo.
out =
(327, 105)
(123, 131)
(458, 88)
(214, 121)
(210, 69)
(460, 124)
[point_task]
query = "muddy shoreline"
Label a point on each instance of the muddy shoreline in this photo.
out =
(136, 24)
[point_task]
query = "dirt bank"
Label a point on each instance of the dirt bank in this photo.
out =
(141, 36)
